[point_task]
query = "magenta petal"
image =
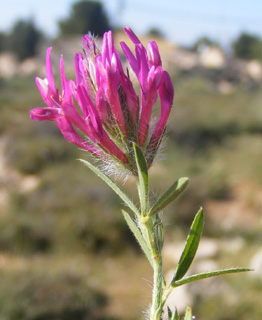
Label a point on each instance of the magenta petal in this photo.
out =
(153, 54)
(100, 72)
(47, 87)
(73, 116)
(90, 111)
(79, 69)
(49, 72)
(148, 99)
(166, 90)
(131, 97)
(130, 57)
(42, 85)
(111, 148)
(67, 94)
(166, 93)
(89, 45)
(107, 47)
(112, 84)
(63, 77)
(119, 63)
(102, 105)
(71, 136)
(132, 35)
(68, 131)
(154, 78)
(44, 114)
(143, 68)
(110, 43)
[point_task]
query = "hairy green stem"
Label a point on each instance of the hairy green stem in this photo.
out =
(149, 234)
(156, 307)
(165, 295)
(152, 232)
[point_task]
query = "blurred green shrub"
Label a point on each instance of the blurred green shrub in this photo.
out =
(155, 32)
(24, 38)
(248, 46)
(85, 16)
(213, 138)
(33, 296)
(29, 157)
(24, 237)
(244, 306)
(3, 41)
(203, 42)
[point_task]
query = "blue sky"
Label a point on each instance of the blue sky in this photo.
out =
(181, 21)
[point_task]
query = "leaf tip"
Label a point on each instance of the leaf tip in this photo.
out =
(123, 211)
(82, 160)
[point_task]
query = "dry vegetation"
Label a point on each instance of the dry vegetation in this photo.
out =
(65, 252)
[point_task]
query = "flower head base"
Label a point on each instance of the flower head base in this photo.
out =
(113, 115)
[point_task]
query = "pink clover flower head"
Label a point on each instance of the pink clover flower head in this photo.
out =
(110, 114)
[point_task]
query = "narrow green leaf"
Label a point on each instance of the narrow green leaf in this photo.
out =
(171, 194)
(142, 178)
(175, 315)
(113, 186)
(172, 316)
(191, 246)
(188, 314)
(206, 275)
(169, 313)
(138, 235)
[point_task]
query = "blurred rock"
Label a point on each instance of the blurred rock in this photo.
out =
(256, 263)
(211, 286)
(184, 59)
(208, 248)
(31, 66)
(8, 65)
(254, 70)
(175, 59)
(212, 58)
(232, 245)
(180, 297)
(204, 266)
(29, 183)
(8, 177)
(225, 87)
(172, 252)
(187, 294)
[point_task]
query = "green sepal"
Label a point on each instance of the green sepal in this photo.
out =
(138, 235)
(205, 275)
(191, 246)
(142, 178)
(113, 186)
(188, 314)
(169, 313)
(172, 315)
(170, 195)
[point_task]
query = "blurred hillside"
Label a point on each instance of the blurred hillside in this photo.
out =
(65, 252)
(209, 60)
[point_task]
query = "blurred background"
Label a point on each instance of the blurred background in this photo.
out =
(65, 251)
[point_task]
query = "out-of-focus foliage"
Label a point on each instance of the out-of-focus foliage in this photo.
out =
(3, 41)
(155, 32)
(248, 46)
(62, 233)
(24, 38)
(85, 16)
(202, 42)
(34, 296)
